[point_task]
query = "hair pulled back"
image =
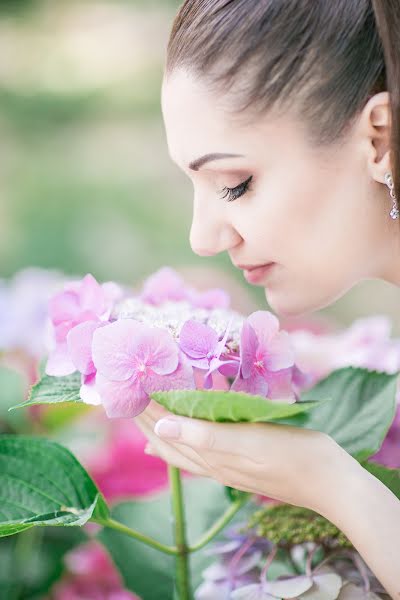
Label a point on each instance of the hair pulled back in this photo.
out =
(324, 59)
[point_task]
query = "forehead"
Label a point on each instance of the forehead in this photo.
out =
(197, 121)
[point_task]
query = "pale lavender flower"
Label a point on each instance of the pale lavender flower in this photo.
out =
(24, 310)
(203, 348)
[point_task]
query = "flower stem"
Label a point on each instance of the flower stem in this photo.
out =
(137, 535)
(219, 524)
(182, 573)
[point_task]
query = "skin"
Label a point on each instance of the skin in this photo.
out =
(322, 215)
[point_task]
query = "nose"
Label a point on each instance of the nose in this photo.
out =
(210, 232)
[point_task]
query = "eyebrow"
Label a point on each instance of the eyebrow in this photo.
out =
(199, 162)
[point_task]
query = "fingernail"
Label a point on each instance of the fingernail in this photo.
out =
(148, 449)
(167, 428)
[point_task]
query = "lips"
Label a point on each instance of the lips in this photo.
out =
(258, 274)
(252, 267)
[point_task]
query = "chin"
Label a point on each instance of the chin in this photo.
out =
(288, 305)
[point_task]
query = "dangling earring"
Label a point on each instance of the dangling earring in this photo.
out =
(394, 213)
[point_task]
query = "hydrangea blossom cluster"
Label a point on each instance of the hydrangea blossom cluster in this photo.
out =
(162, 339)
(245, 569)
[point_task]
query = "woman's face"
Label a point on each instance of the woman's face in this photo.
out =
(317, 214)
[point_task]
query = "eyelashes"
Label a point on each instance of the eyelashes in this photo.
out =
(232, 194)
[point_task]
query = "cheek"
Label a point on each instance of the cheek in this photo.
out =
(319, 250)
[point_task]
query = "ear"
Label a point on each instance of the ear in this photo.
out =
(375, 121)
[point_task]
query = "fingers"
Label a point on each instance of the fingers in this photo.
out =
(187, 458)
(231, 438)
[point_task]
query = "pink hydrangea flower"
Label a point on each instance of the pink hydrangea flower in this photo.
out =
(132, 360)
(267, 358)
(366, 343)
(90, 574)
(78, 303)
(167, 285)
(209, 299)
(203, 348)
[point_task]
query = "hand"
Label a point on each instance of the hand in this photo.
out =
(284, 462)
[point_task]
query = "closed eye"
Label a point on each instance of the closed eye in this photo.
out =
(233, 193)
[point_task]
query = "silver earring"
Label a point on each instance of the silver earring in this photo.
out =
(394, 213)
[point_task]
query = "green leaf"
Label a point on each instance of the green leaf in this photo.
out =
(361, 412)
(50, 390)
(216, 405)
(146, 571)
(390, 477)
(42, 483)
(233, 494)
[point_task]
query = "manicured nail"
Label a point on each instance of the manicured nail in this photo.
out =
(149, 449)
(167, 428)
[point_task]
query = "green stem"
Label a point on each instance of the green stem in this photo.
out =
(182, 573)
(219, 524)
(137, 535)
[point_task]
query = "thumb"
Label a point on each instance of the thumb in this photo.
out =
(183, 430)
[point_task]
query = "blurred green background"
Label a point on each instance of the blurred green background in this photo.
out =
(86, 181)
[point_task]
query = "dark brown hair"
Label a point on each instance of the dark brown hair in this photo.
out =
(325, 59)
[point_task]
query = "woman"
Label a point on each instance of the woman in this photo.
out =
(286, 117)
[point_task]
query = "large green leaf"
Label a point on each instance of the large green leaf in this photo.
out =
(216, 405)
(50, 390)
(361, 412)
(390, 477)
(146, 571)
(42, 483)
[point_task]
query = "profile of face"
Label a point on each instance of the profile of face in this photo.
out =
(320, 214)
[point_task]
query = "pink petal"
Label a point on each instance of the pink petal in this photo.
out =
(210, 299)
(181, 379)
(230, 368)
(88, 391)
(165, 284)
(256, 385)
(199, 363)
(265, 324)
(215, 365)
(197, 339)
(114, 348)
(122, 398)
(220, 347)
(280, 352)
(157, 349)
(280, 385)
(79, 341)
(91, 295)
(248, 349)
(59, 362)
(64, 306)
